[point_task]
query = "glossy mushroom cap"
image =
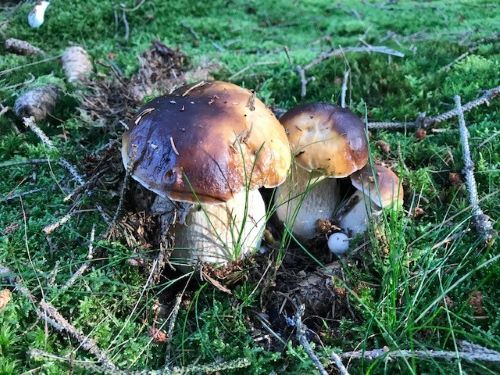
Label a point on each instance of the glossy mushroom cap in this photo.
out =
(326, 138)
(389, 190)
(205, 143)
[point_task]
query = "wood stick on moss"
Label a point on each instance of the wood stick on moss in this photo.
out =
(81, 270)
(53, 317)
(300, 330)
(30, 123)
(468, 352)
(482, 222)
(301, 70)
(425, 122)
(189, 369)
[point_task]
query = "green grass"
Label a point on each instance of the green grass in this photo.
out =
(409, 289)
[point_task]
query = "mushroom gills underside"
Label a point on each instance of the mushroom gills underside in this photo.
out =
(303, 199)
(216, 233)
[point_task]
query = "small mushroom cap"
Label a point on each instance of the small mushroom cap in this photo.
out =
(338, 243)
(206, 142)
(326, 138)
(389, 190)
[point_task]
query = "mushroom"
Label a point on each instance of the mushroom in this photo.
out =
(338, 243)
(328, 142)
(374, 192)
(210, 145)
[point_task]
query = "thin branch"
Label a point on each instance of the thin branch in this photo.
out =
(30, 123)
(469, 352)
(51, 316)
(300, 331)
(481, 221)
(344, 88)
(81, 270)
(425, 122)
(171, 327)
(301, 70)
(14, 163)
(10, 197)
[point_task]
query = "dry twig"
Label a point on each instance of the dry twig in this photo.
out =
(300, 330)
(344, 88)
(51, 316)
(301, 70)
(481, 221)
(81, 270)
(469, 352)
(424, 122)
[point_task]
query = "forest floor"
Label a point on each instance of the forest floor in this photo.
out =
(422, 280)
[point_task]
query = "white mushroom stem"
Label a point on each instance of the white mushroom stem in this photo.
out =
(304, 198)
(356, 214)
(216, 233)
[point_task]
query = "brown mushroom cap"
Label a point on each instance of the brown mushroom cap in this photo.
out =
(389, 190)
(206, 142)
(326, 138)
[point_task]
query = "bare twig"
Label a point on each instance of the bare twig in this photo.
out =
(171, 327)
(10, 197)
(344, 88)
(14, 163)
(30, 123)
(301, 70)
(51, 316)
(425, 122)
(81, 270)
(469, 352)
(481, 221)
(300, 331)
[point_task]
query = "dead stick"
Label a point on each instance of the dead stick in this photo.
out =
(300, 331)
(468, 353)
(344, 88)
(30, 123)
(481, 221)
(81, 270)
(51, 316)
(171, 326)
(425, 122)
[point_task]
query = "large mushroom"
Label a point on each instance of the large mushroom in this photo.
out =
(377, 188)
(328, 142)
(210, 145)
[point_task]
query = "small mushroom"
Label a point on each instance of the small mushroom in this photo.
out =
(338, 243)
(212, 145)
(328, 142)
(374, 192)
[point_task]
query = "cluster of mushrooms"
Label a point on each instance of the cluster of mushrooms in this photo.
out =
(207, 148)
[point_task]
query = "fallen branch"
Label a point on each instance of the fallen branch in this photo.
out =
(468, 352)
(301, 70)
(30, 123)
(425, 122)
(344, 88)
(189, 369)
(482, 222)
(52, 317)
(300, 330)
(171, 326)
(81, 270)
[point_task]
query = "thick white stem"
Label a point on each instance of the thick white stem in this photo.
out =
(357, 214)
(303, 199)
(218, 233)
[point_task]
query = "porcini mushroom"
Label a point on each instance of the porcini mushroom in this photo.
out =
(328, 142)
(211, 144)
(375, 191)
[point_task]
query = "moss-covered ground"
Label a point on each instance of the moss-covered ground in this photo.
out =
(431, 284)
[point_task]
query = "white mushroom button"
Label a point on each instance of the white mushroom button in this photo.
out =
(338, 243)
